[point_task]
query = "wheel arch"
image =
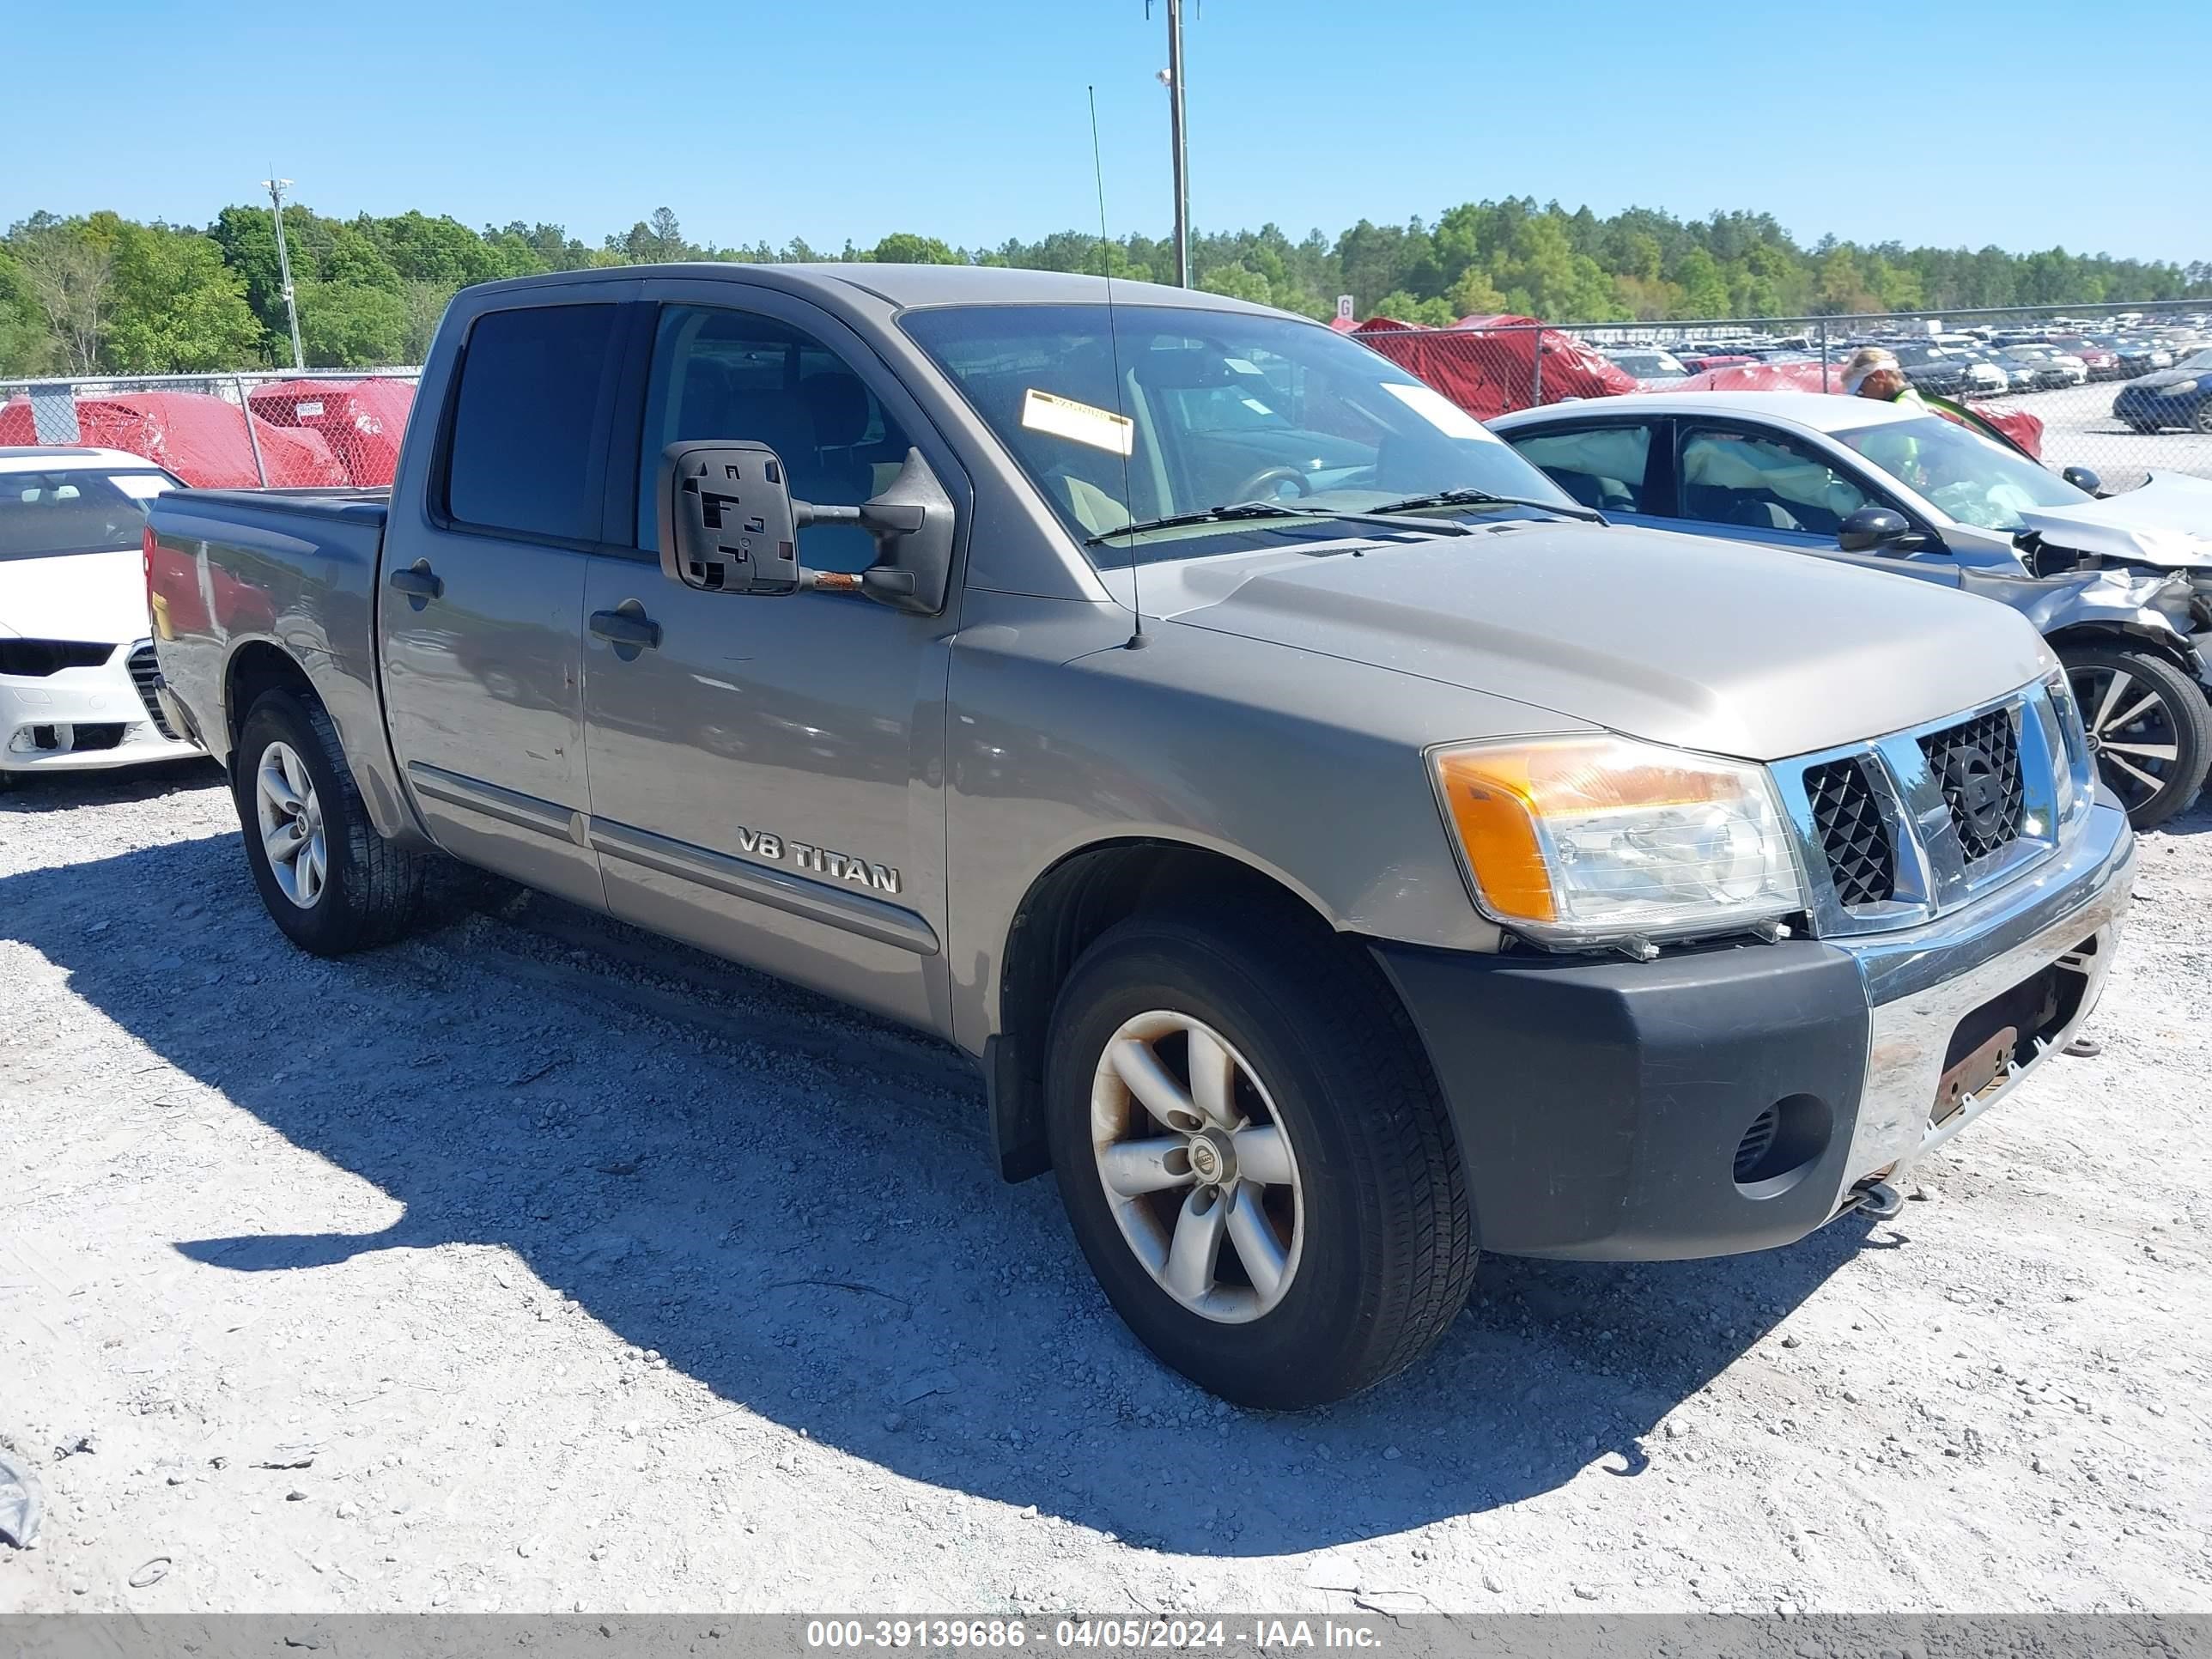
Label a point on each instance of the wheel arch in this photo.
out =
(2126, 636)
(1068, 906)
(257, 667)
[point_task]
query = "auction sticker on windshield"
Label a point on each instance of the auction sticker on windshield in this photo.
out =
(1439, 412)
(1082, 423)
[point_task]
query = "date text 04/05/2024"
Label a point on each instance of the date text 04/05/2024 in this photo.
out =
(992, 1634)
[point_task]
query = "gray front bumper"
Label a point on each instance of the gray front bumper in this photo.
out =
(1922, 984)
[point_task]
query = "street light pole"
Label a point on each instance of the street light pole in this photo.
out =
(277, 187)
(1175, 137)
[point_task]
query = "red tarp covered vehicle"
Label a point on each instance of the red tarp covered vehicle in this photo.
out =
(201, 439)
(1488, 365)
(2017, 427)
(361, 420)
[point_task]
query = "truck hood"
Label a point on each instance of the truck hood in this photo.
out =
(1708, 645)
(2168, 522)
(96, 597)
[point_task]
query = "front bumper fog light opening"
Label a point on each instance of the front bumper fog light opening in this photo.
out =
(1780, 1146)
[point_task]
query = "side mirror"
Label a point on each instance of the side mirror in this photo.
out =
(1872, 529)
(728, 525)
(2084, 480)
(727, 522)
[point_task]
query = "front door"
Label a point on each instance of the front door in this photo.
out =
(480, 614)
(765, 772)
(1749, 483)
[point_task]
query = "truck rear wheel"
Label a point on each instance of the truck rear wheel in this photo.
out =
(328, 880)
(1255, 1161)
(2149, 727)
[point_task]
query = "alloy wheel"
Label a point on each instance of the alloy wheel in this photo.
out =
(290, 819)
(1197, 1166)
(2132, 732)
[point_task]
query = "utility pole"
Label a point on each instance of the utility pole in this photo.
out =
(1173, 77)
(277, 187)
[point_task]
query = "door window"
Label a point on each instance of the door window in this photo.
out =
(1766, 483)
(1601, 466)
(735, 374)
(520, 457)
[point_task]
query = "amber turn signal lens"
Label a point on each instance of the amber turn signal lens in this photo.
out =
(1492, 799)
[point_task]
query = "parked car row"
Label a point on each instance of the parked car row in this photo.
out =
(1983, 361)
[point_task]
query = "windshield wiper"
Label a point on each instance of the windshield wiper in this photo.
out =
(1484, 498)
(1254, 510)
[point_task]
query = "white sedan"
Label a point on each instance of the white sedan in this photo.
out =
(76, 667)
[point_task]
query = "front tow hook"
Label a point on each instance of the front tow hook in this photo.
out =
(1876, 1198)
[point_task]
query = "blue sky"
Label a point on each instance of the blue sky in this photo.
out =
(2023, 123)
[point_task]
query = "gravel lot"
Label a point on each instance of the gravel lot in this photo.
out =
(533, 1265)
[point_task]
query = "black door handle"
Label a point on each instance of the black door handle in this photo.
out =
(418, 582)
(627, 627)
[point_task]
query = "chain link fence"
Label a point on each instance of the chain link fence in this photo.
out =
(252, 430)
(2123, 390)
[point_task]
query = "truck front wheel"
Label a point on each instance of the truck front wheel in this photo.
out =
(1254, 1160)
(328, 880)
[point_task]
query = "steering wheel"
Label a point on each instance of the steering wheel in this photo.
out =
(1250, 488)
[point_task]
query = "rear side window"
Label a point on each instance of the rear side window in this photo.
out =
(520, 457)
(1601, 466)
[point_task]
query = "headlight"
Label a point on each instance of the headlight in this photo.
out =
(2072, 786)
(1592, 840)
(2179, 389)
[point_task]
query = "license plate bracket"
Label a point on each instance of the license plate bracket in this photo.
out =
(1987, 1064)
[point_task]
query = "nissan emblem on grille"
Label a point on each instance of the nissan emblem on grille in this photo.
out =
(1976, 763)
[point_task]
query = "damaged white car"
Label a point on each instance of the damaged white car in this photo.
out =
(76, 667)
(2121, 585)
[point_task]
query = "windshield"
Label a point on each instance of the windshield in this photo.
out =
(1646, 364)
(1149, 413)
(2201, 361)
(1975, 481)
(75, 510)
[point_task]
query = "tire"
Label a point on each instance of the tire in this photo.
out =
(367, 891)
(2203, 421)
(2134, 701)
(1372, 1227)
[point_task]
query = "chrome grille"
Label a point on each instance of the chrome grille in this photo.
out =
(146, 674)
(1899, 829)
(1977, 765)
(1862, 859)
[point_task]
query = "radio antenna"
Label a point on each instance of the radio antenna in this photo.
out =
(1137, 642)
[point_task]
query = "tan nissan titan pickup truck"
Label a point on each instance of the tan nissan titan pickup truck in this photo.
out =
(1339, 851)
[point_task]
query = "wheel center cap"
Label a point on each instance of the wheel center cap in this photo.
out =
(1212, 1159)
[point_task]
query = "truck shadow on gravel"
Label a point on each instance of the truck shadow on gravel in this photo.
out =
(795, 1206)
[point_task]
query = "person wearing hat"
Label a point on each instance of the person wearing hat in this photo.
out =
(1874, 372)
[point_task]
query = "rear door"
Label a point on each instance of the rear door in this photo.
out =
(1617, 464)
(480, 611)
(766, 773)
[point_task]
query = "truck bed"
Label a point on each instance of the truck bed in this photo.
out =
(294, 567)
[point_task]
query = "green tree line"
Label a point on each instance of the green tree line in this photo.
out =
(98, 293)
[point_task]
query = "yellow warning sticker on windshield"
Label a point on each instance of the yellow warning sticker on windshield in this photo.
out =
(1082, 423)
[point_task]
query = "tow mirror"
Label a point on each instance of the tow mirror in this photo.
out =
(729, 524)
(1872, 530)
(2084, 480)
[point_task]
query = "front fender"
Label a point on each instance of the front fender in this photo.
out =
(2122, 601)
